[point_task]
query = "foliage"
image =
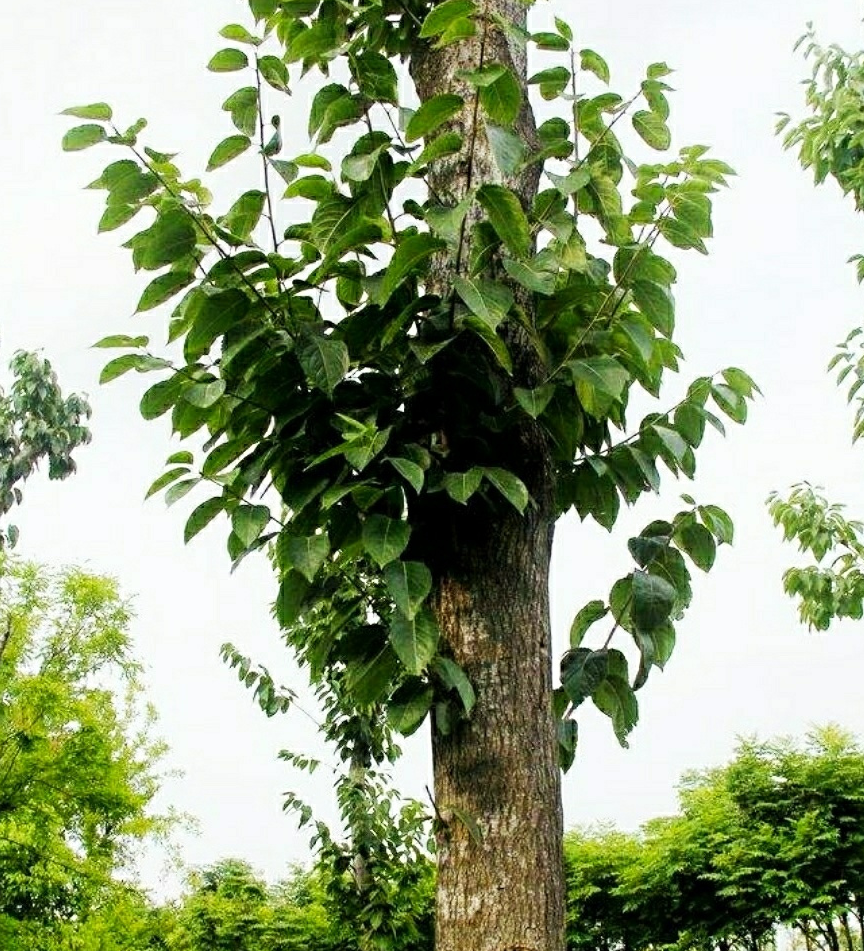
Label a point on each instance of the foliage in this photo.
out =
(77, 757)
(830, 141)
(367, 403)
(36, 423)
(775, 838)
(835, 589)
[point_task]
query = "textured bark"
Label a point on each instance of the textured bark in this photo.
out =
(504, 892)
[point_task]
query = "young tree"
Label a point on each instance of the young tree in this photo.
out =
(403, 390)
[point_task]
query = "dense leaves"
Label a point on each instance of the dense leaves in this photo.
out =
(78, 760)
(37, 424)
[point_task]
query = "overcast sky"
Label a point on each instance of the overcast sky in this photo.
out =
(774, 297)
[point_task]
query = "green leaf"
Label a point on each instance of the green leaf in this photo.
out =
(653, 600)
(274, 71)
(454, 678)
(122, 340)
(370, 682)
(228, 61)
(488, 300)
(212, 316)
(411, 254)
(100, 111)
(205, 394)
(432, 114)
(552, 82)
(248, 521)
(615, 698)
(141, 362)
(604, 374)
(536, 400)
(653, 130)
(116, 215)
(460, 486)
(179, 490)
(741, 382)
(594, 63)
(564, 29)
(307, 554)
(698, 542)
(718, 523)
(415, 640)
(507, 217)
(681, 235)
(243, 107)
(167, 478)
(509, 485)
(202, 516)
(409, 583)
(730, 402)
(171, 237)
(553, 42)
(376, 77)
(592, 612)
(163, 288)
(507, 147)
(502, 99)
(443, 15)
(325, 360)
(359, 167)
(385, 538)
(243, 216)
(409, 706)
(410, 472)
(291, 598)
(656, 303)
(530, 276)
(448, 143)
(82, 137)
(582, 671)
(227, 150)
(239, 34)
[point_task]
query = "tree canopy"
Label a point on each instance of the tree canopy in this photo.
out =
(79, 764)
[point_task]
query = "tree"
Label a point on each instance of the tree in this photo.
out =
(402, 391)
(77, 758)
(36, 423)
(829, 141)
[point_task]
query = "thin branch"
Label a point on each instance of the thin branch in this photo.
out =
(265, 160)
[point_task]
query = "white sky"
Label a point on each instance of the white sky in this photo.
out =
(773, 297)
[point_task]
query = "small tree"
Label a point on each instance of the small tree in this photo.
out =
(402, 391)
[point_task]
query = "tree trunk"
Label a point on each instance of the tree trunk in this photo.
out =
(847, 931)
(503, 890)
(501, 881)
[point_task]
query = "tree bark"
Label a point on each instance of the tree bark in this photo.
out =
(505, 891)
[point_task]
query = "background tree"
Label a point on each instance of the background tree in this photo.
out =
(37, 423)
(830, 141)
(78, 761)
(427, 369)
